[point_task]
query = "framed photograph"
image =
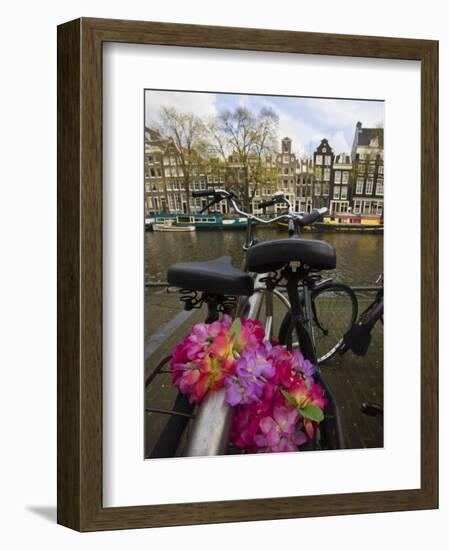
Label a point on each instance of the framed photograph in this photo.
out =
(239, 294)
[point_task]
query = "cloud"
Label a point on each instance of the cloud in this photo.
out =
(306, 121)
(344, 113)
(202, 104)
(338, 143)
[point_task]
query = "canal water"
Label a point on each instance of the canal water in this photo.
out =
(359, 256)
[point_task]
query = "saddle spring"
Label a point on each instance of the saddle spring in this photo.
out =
(221, 303)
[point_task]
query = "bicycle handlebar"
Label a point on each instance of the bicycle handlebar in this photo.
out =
(204, 193)
(223, 194)
(313, 216)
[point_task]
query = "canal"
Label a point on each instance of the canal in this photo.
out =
(359, 256)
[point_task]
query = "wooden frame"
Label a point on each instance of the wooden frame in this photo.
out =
(80, 273)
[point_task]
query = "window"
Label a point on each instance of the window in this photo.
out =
(369, 186)
(327, 174)
(325, 189)
(317, 189)
(357, 207)
(344, 193)
(286, 171)
(319, 159)
(337, 176)
(359, 186)
(336, 192)
(152, 173)
(318, 173)
(324, 149)
(327, 160)
(361, 169)
(345, 177)
(286, 159)
(150, 159)
(380, 169)
(380, 187)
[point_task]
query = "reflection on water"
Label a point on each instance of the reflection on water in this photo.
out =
(359, 256)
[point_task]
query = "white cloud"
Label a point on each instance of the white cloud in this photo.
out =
(306, 121)
(346, 113)
(201, 104)
(338, 143)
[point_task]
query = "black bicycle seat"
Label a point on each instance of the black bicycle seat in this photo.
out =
(215, 277)
(273, 255)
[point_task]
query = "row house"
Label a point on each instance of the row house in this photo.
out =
(340, 189)
(304, 184)
(342, 183)
(368, 162)
(286, 165)
(155, 190)
(323, 159)
(165, 182)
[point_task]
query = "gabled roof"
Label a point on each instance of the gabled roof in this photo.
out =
(153, 134)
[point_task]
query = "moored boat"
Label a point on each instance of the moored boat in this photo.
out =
(344, 223)
(169, 226)
(199, 221)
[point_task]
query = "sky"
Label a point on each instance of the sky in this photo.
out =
(305, 120)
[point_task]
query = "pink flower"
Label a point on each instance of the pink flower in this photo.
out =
(279, 433)
(203, 359)
(251, 335)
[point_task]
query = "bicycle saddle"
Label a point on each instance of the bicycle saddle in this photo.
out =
(215, 277)
(272, 255)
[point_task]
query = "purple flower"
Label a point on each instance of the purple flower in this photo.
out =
(242, 390)
(253, 369)
(256, 363)
(303, 366)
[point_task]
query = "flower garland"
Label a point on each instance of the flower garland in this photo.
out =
(278, 404)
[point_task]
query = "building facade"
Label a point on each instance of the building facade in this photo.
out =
(343, 183)
(323, 159)
(340, 194)
(304, 184)
(368, 174)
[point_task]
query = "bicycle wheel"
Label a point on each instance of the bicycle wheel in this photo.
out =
(334, 311)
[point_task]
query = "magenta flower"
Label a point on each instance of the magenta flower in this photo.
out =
(277, 401)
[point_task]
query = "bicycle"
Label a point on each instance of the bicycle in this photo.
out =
(358, 337)
(216, 283)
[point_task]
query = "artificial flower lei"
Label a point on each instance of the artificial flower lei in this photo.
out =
(278, 404)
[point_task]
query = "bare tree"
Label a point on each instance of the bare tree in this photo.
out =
(186, 131)
(249, 138)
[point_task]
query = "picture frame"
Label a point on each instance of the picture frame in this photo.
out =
(80, 272)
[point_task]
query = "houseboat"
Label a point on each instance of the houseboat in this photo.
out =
(344, 223)
(198, 221)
